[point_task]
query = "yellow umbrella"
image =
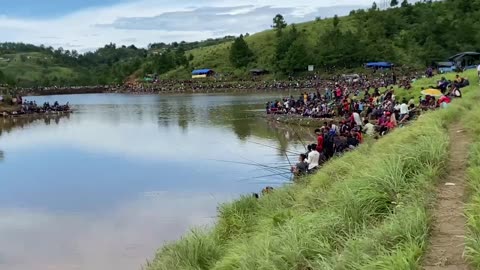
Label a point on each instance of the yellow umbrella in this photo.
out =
(432, 92)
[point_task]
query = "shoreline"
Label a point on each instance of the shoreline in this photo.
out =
(100, 90)
(12, 111)
(51, 113)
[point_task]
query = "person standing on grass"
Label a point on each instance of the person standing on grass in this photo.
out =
(313, 158)
(320, 140)
(328, 143)
(356, 119)
(478, 72)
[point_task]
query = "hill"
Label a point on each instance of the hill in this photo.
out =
(26, 65)
(29, 68)
(409, 35)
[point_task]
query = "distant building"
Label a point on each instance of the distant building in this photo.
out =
(202, 73)
(466, 60)
(379, 65)
(258, 71)
(445, 66)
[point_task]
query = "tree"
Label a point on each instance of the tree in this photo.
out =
(297, 57)
(279, 23)
(405, 3)
(336, 21)
(374, 6)
(394, 3)
(240, 53)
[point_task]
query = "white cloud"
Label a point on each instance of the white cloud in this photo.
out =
(121, 238)
(95, 27)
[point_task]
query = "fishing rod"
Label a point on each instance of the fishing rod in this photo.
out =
(298, 137)
(273, 147)
(244, 163)
(267, 168)
(264, 176)
(277, 169)
(273, 183)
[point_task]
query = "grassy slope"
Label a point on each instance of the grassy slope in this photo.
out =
(262, 44)
(35, 67)
(366, 210)
(471, 122)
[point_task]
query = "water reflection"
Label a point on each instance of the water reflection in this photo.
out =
(103, 188)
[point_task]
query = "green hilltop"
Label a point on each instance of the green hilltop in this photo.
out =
(409, 35)
(412, 35)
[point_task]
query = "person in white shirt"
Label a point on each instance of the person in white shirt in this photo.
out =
(404, 111)
(368, 128)
(356, 117)
(313, 157)
(478, 71)
(334, 127)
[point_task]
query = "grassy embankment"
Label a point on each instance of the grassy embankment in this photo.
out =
(471, 122)
(366, 210)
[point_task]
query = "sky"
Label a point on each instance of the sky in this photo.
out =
(85, 25)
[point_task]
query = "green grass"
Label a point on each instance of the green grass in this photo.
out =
(471, 121)
(365, 210)
(31, 68)
(262, 44)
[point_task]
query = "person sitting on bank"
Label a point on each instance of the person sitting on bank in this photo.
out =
(443, 85)
(368, 128)
(301, 168)
(461, 82)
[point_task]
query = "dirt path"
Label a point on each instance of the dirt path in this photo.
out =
(447, 243)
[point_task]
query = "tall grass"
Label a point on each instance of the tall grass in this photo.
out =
(366, 210)
(471, 121)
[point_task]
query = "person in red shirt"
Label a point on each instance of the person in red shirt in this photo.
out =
(444, 99)
(338, 93)
(319, 134)
(358, 135)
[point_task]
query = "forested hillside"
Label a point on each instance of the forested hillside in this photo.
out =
(406, 34)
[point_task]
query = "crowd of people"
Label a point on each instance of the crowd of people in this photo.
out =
(354, 114)
(18, 106)
(29, 107)
(257, 84)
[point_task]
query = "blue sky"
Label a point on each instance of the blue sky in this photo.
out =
(48, 8)
(85, 25)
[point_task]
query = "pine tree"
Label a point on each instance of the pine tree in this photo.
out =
(279, 22)
(336, 21)
(240, 53)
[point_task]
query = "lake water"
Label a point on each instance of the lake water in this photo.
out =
(106, 186)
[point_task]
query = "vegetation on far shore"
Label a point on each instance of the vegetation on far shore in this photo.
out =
(411, 35)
